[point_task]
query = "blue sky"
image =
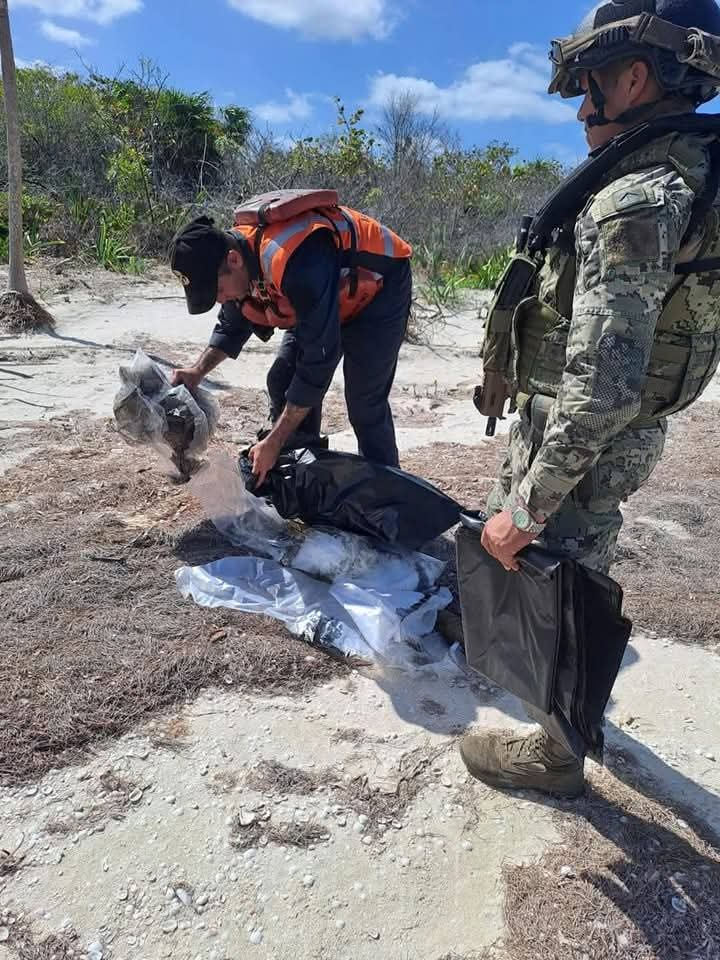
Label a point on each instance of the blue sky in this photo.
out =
(482, 64)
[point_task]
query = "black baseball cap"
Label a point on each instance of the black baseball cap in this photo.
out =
(196, 253)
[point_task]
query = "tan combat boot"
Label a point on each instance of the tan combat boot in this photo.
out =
(534, 762)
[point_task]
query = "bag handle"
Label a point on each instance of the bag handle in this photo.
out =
(474, 520)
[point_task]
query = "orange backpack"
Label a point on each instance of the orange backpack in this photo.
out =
(282, 205)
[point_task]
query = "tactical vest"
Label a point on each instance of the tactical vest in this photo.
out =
(529, 332)
(354, 233)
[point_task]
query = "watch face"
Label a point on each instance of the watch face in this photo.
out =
(521, 518)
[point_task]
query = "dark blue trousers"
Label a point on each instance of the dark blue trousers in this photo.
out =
(371, 343)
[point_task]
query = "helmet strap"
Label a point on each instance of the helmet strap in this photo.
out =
(637, 114)
(627, 118)
(597, 119)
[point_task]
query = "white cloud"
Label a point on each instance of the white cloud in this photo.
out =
(326, 19)
(33, 64)
(97, 11)
(72, 38)
(515, 87)
(533, 56)
(296, 107)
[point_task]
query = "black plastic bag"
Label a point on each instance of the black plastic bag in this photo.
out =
(324, 487)
(553, 634)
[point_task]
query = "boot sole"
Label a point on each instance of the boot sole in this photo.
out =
(501, 781)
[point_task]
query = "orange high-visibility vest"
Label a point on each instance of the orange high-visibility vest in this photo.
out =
(354, 233)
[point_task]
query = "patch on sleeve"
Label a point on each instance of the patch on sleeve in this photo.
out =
(630, 240)
(632, 196)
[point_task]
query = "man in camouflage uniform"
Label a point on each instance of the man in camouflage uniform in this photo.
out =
(612, 338)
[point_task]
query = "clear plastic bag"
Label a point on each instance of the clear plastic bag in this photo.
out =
(249, 522)
(174, 421)
(243, 519)
(331, 587)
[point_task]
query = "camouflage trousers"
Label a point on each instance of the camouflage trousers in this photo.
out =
(587, 525)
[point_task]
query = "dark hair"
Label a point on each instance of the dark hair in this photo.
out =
(230, 244)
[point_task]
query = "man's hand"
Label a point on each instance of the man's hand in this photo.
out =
(263, 457)
(502, 539)
(190, 376)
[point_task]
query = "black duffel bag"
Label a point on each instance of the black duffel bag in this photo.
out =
(553, 634)
(343, 490)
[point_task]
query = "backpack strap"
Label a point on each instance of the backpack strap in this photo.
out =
(259, 234)
(353, 252)
(701, 208)
(257, 249)
(569, 198)
(353, 286)
(710, 265)
(705, 200)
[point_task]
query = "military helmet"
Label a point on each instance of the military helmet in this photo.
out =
(679, 38)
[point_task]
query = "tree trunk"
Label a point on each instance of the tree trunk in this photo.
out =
(18, 281)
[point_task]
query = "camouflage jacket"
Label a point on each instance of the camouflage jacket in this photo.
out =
(613, 333)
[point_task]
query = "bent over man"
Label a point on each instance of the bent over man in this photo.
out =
(336, 281)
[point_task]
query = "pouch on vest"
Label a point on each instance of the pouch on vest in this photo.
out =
(498, 359)
(553, 634)
(351, 493)
(358, 288)
(281, 205)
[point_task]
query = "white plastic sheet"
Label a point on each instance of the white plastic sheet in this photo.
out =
(329, 587)
(353, 619)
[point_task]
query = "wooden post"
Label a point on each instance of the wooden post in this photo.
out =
(18, 281)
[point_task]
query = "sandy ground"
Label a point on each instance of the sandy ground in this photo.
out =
(76, 367)
(187, 866)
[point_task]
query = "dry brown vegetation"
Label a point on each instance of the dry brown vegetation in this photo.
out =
(26, 945)
(114, 796)
(631, 880)
(95, 635)
(273, 777)
(276, 834)
(667, 561)
(465, 473)
(382, 807)
(21, 313)
(10, 861)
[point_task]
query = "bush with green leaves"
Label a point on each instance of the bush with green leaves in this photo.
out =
(121, 162)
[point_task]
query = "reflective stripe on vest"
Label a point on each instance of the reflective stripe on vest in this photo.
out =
(279, 241)
(305, 224)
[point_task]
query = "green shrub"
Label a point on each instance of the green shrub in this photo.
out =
(37, 212)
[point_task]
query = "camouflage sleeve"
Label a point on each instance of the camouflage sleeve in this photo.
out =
(627, 243)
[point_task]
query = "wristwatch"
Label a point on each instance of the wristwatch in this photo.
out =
(524, 520)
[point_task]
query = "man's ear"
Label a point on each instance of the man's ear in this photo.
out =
(639, 76)
(234, 259)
